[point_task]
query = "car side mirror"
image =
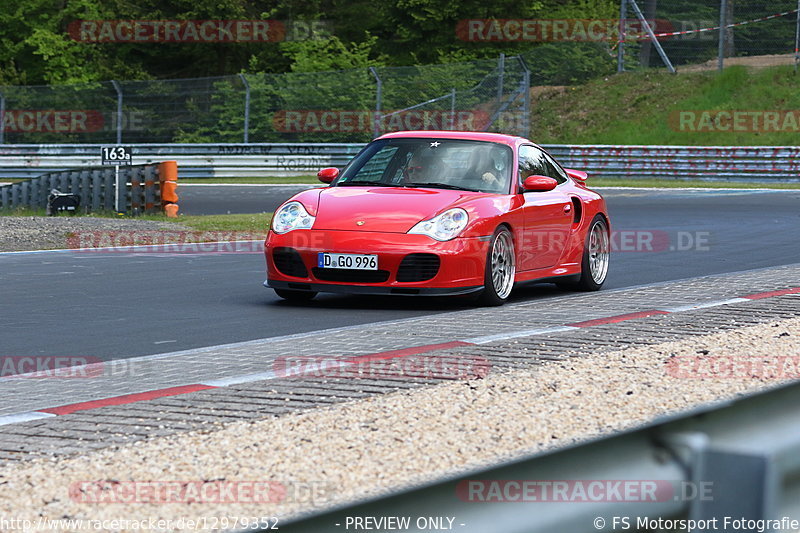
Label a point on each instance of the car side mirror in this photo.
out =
(539, 183)
(579, 175)
(327, 175)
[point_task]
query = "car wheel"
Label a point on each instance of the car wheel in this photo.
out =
(596, 255)
(498, 278)
(295, 296)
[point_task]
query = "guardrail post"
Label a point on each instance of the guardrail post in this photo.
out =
(97, 189)
(34, 193)
(63, 181)
(246, 108)
(74, 183)
(85, 190)
(108, 190)
(149, 188)
(135, 191)
(15, 195)
(378, 102)
(118, 88)
(24, 193)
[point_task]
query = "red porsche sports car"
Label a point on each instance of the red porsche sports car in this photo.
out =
(440, 213)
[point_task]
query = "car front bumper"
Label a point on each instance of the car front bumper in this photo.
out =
(459, 263)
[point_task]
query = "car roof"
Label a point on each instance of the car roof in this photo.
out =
(462, 135)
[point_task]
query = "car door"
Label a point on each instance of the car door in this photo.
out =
(547, 215)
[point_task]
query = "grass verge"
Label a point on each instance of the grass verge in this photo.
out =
(244, 222)
(249, 222)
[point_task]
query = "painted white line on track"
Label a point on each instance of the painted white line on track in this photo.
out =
(23, 417)
(703, 305)
(527, 333)
(238, 380)
(315, 368)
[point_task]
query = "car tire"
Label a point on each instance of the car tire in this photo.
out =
(596, 255)
(295, 296)
(498, 277)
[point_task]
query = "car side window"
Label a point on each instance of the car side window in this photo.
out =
(374, 168)
(558, 172)
(533, 161)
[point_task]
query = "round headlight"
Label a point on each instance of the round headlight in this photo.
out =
(443, 227)
(291, 216)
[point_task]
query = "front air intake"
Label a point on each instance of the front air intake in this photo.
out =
(289, 263)
(418, 267)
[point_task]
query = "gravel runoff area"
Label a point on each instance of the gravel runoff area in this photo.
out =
(348, 451)
(50, 233)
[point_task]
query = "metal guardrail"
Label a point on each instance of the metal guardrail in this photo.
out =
(194, 160)
(136, 189)
(759, 163)
(706, 162)
(739, 459)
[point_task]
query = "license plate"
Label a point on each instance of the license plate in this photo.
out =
(348, 261)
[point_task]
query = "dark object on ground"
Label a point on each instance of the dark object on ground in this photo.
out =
(59, 201)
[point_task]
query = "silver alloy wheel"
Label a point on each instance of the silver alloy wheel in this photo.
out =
(503, 264)
(598, 252)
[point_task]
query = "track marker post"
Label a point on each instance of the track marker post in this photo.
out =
(116, 155)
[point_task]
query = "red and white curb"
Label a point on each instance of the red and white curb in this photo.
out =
(393, 354)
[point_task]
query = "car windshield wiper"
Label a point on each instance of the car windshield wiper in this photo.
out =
(354, 183)
(434, 185)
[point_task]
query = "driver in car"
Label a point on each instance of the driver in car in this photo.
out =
(423, 167)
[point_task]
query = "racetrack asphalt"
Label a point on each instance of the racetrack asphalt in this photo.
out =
(120, 305)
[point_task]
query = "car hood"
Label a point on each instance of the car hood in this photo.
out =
(384, 209)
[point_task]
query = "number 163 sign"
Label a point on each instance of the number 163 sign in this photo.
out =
(115, 155)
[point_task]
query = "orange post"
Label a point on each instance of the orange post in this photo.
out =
(169, 192)
(168, 176)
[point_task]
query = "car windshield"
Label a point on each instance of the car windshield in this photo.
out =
(432, 163)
